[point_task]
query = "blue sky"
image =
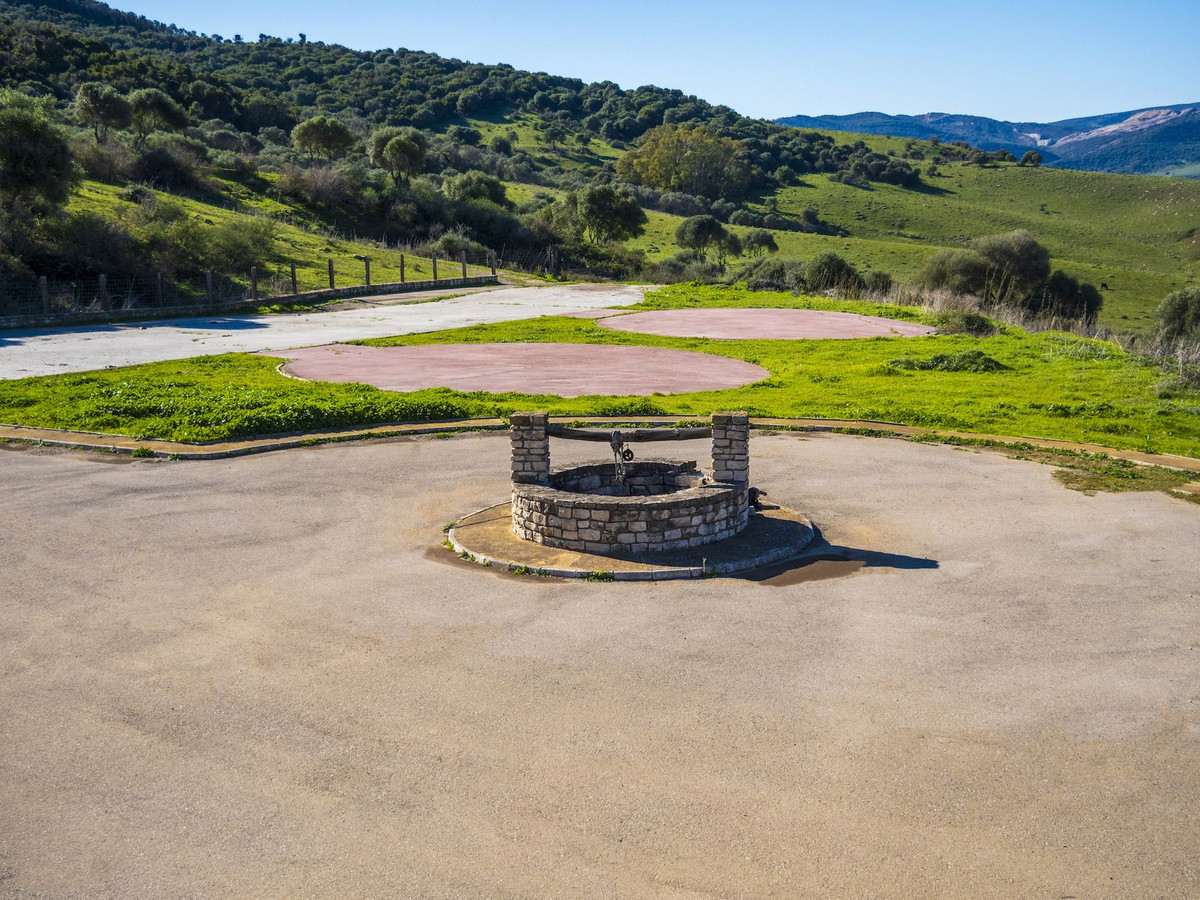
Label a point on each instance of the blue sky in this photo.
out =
(1032, 61)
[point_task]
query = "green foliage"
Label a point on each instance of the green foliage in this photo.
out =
(476, 185)
(966, 361)
(1179, 315)
(1031, 158)
(694, 160)
(36, 170)
(152, 110)
(398, 151)
(323, 137)
(699, 233)
(828, 271)
(102, 107)
(1017, 264)
(608, 214)
(758, 242)
(958, 271)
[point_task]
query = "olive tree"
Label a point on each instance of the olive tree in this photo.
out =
(1179, 315)
(759, 241)
(323, 137)
(102, 107)
(398, 151)
(152, 110)
(699, 233)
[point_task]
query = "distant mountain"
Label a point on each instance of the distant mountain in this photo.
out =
(1157, 139)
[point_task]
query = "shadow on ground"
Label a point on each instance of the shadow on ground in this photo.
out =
(823, 561)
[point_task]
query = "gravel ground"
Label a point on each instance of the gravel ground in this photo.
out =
(51, 351)
(262, 677)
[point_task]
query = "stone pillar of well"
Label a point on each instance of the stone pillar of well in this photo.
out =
(530, 448)
(731, 448)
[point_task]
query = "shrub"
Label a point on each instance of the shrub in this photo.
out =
(967, 361)
(770, 273)
(958, 271)
(877, 282)
(242, 242)
(1179, 315)
(828, 271)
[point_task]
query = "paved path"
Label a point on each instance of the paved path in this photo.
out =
(51, 351)
(264, 677)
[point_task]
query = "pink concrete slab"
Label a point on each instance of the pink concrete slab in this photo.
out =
(563, 370)
(774, 324)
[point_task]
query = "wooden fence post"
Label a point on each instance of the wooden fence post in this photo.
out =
(102, 288)
(492, 260)
(434, 266)
(331, 274)
(158, 291)
(402, 268)
(254, 282)
(44, 293)
(208, 285)
(367, 269)
(463, 257)
(294, 289)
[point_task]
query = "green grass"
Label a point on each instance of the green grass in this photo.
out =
(1052, 385)
(309, 250)
(1131, 232)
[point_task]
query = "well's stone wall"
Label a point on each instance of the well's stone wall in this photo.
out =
(698, 513)
(658, 505)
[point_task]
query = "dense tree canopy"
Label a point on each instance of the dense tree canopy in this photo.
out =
(323, 137)
(36, 169)
(691, 160)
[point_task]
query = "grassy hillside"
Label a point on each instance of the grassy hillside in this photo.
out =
(538, 134)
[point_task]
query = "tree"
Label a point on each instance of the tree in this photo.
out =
(36, 169)
(699, 233)
(729, 245)
(101, 106)
(398, 151)
(323, 137)
(759, 241)
(828, 270)
(1031, 158)
(152, 110)
(608, 214)
(692, 160)
(1179, 315)
(476, 185)
(554, 134)
(1017, 264)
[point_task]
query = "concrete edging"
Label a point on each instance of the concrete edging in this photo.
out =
(660, 573)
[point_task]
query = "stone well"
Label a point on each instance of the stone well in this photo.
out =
(633, 507)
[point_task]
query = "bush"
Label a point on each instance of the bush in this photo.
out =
(961, 321)
(683, 267)
(242, 242)
(318, 186)
(967, 361)
(1179, 315)
(1067, 296)
(877, 282)
(958, 271)
(828, 271)
(770, 273)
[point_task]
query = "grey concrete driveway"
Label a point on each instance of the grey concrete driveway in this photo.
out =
(263, 677)
(52, 351)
